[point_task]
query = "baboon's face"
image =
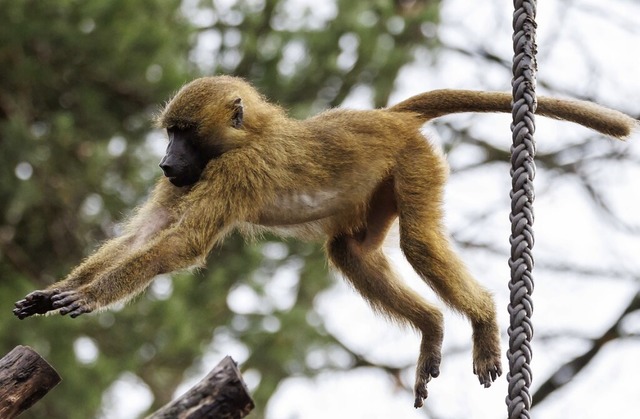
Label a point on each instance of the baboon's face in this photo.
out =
(201, 122)
(184, 160)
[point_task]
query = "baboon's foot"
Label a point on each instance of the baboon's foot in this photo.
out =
(486, 354)
(487, 369)
(428, 368)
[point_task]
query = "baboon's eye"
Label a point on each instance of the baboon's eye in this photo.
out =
(180, 129)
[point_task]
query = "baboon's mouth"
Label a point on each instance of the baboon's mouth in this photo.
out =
(182, 180)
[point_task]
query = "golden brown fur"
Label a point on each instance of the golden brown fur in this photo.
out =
(342, 175)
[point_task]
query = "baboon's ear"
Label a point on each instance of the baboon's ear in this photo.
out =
(238, 113)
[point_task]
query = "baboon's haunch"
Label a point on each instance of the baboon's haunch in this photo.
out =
(236, 161)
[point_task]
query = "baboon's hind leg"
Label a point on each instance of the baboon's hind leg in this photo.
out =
(361, 260)
(424, 241)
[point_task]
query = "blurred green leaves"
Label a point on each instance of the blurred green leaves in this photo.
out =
(80, 82)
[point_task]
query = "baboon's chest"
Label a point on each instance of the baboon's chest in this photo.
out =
(299, 207)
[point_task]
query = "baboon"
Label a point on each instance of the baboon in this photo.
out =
(236, 161)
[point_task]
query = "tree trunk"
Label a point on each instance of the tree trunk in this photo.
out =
(221, 394)
(25, 377)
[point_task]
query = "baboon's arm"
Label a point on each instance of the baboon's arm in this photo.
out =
(198, 218)
(204, 220)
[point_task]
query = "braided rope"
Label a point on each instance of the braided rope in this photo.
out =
(522, 195)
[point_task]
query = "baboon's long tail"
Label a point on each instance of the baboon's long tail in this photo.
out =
(437, 103)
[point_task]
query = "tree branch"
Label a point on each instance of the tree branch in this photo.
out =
(25, 377)
(569, 370)
(221, 394)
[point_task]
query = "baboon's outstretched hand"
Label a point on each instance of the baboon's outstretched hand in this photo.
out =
(37, 302)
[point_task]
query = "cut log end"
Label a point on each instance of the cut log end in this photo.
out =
(25, 377)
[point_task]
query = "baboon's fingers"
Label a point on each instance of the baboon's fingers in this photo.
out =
(63, 298)
(83, 309)
(24, 309)
(72, 303)
(37, 302)
(37, 295)
(71, 307)
(23, 312)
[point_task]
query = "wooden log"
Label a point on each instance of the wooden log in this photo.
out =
(221, 394)
(25, 377)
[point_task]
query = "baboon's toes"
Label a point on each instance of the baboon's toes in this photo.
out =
(488, 372)
(427, 369)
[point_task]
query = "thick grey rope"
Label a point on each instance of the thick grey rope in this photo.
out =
(522, 196)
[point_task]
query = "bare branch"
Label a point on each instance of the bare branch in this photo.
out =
(569, 370)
